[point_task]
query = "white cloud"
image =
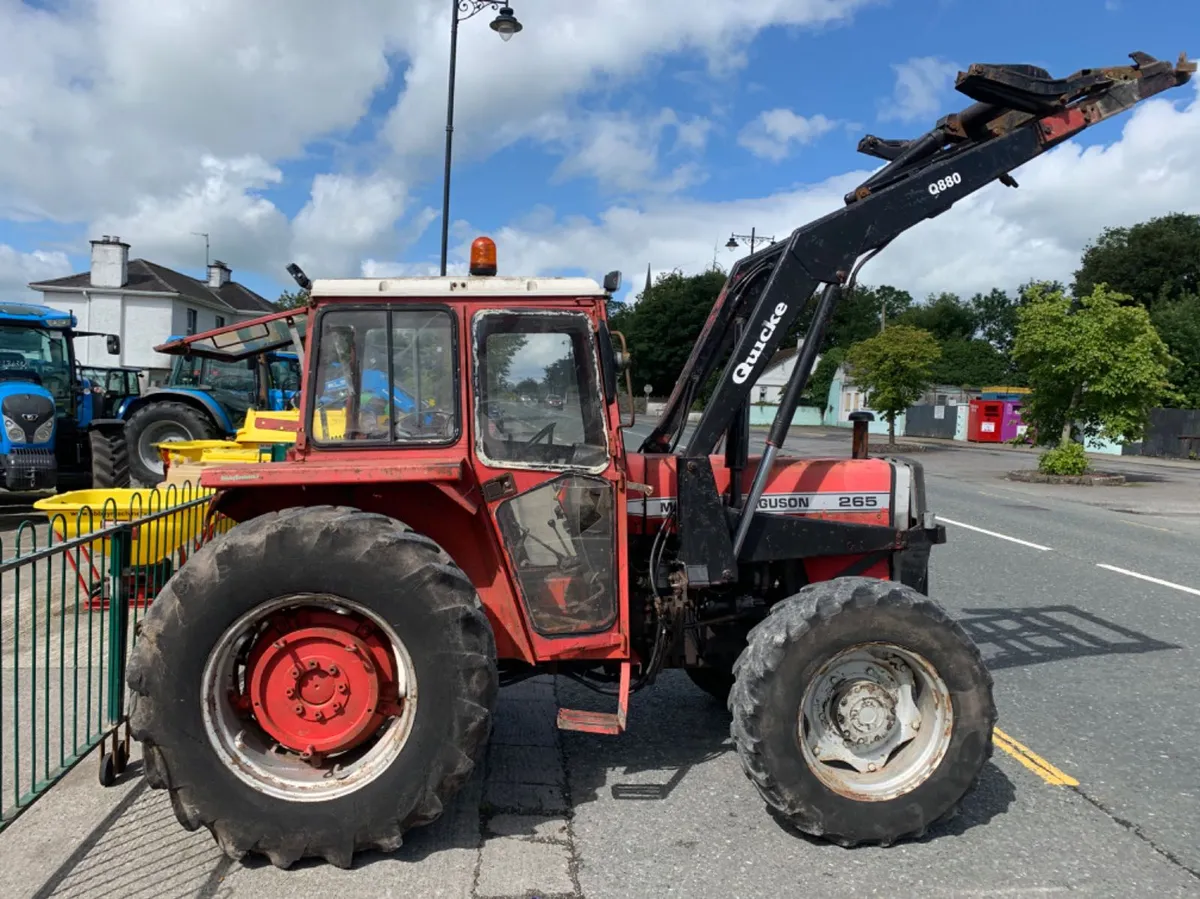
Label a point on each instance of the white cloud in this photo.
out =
(997, 237)
(623, 152)
(921, 83)
(246, 230)
(774, 133)
(17, 269)
(564, 50)
(135, 115)
(346, 218)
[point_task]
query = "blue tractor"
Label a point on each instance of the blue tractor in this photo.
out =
(261, 344)
(54, 437)
(204, 399)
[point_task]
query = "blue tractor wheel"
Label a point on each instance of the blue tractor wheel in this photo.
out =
(163, 422)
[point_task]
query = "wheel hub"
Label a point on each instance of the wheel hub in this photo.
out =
(321, 682)
(866, 713)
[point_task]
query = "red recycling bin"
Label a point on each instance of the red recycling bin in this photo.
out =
(984, 421)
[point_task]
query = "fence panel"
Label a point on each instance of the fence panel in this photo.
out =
(72, 588)
(923, 421)
(1172, 432)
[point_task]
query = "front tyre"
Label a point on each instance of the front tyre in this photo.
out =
(315, 682)
(862, 712)
(110, 459)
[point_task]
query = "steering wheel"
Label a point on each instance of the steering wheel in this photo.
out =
(439, 426)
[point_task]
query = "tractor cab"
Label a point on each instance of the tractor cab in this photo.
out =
(436, 388)
(45, 401)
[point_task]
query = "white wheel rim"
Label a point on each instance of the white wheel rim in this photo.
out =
(875, 722)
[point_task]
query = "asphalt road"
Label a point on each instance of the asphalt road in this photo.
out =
(1094, 788)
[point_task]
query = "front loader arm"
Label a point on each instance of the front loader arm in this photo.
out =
(1019, 113)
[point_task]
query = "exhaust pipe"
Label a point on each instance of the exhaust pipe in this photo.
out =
(859, 448)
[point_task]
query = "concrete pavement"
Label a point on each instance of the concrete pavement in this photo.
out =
(1095, 680)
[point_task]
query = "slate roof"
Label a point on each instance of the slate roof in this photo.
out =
(150, 277)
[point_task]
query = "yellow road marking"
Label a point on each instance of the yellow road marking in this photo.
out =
(1138, 524)
(1032, 760)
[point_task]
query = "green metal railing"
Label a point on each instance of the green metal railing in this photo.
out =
(72, 589)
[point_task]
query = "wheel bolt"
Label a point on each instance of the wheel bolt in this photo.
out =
(312, 663)
(333, 669)
(298, 708)
(319, 715)
(295, 672)
(289, 692)
(916, 725)
(342, 688)
(337, 707)
(871, 767)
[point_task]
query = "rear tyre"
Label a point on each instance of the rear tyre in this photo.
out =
(110, 460)
(862, 712)
(318, 586)
(162, 422)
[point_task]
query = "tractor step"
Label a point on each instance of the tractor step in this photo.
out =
(600, 722)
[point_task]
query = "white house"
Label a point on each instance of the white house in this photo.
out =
(145, 303)
(770, 385)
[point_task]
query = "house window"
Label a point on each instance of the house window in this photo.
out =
(220, 321)
(191, 321)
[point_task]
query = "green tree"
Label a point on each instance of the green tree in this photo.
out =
(894, 368)
(1100, 367)
(1153, 261)
(859, 314)
(292, 299)
(664, 323)
(971, 363)
(822, 377)
(1178, 323)
(946, 316)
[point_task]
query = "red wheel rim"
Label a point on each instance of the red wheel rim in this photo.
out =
(321, 682)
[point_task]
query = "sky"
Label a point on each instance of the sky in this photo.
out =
(607, 134)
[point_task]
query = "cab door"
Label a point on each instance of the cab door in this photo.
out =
(547, 459)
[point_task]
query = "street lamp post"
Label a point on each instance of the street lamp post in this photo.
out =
(752, 237)
(506, 25)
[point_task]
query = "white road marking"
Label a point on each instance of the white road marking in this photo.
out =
(1146, 577)
(971, 527)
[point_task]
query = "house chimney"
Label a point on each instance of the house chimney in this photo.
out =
(218, 274)
(110, 262)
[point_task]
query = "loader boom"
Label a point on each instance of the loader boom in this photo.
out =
(1020, 113)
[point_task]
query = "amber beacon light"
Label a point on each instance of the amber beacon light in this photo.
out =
(483, 256)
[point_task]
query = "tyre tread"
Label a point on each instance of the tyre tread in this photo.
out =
(455, 762)
(765, 650)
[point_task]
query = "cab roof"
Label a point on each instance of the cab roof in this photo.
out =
(35, 314)
(274, 332)
(471, 286)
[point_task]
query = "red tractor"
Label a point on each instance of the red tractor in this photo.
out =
(321, 678)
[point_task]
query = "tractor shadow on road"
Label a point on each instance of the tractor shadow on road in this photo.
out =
(1030, 635)
(677, 751)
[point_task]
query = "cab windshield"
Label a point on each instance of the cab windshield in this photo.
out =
(38, 355)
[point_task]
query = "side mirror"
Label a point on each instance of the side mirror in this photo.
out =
(113, 342)
(612, 282)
